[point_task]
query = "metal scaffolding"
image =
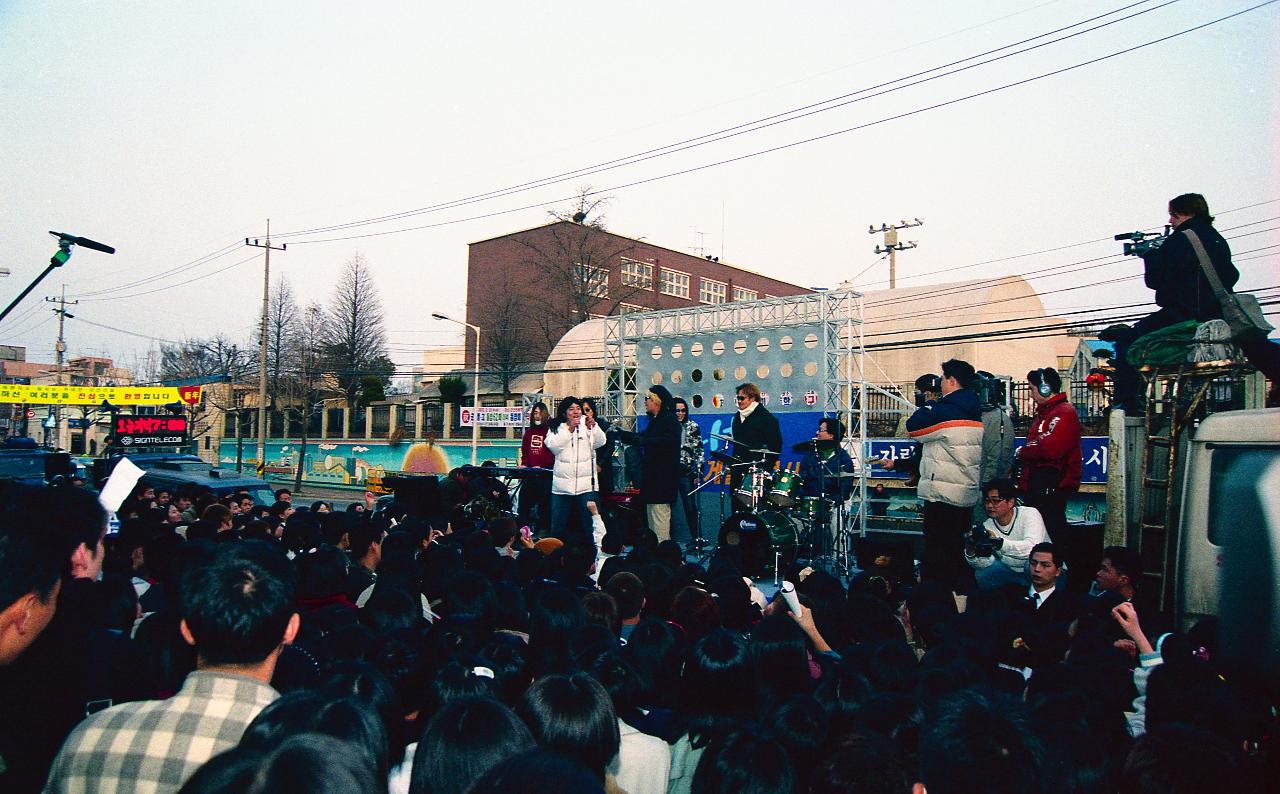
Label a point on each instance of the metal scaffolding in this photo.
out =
(835, 314)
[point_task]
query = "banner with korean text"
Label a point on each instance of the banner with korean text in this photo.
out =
(94, 395)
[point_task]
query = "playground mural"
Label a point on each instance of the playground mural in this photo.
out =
(362, 464)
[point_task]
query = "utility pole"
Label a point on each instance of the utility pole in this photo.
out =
(892, 246)
(60, 349)
(267, 248)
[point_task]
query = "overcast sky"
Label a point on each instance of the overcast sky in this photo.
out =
(174, 130)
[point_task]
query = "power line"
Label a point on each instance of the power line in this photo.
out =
(749, 126)
(813, 139)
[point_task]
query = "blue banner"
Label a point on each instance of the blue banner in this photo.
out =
(801, 426)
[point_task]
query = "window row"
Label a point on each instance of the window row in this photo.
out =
(594, 281)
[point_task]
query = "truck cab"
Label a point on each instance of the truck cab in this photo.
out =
(1228, 559)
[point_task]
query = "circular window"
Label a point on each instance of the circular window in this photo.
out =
(677, 351)
(740, 346)
(785, 370)
(762, 344)
(810, 341)
(762, 371)
(717, 347)
(657, 378)
(695, 349)
(739, 373)
(656, 352)
(696, 375)
(811, 369)
(697, 401)
(717, 373)
(785, 343)
(676, 377)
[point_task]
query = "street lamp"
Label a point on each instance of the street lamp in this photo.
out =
(475, 420)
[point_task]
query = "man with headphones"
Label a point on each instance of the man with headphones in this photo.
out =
(1051, 463)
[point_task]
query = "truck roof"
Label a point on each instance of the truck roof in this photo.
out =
(1261, 425)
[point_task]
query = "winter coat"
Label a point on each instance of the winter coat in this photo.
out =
(1052, 453)
(997, 444)
(950, 434)
(1174, 272)
(660, 469)
(574, 471)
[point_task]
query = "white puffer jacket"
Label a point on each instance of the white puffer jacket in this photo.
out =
(950, 431)
(574, 472)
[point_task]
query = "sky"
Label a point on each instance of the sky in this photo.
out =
(173, 131)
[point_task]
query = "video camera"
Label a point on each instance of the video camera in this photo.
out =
(928, 387)
(983, 545)
(1142, 242)
(989, 388)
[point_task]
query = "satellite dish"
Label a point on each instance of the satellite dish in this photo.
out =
(579, 217)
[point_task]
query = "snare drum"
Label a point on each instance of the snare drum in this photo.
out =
(784, 488)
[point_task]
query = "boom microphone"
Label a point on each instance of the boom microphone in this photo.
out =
(83, 242)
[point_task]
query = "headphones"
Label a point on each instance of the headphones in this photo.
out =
(1042, 388)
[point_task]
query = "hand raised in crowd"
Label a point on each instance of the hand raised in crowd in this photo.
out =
(1127, 617)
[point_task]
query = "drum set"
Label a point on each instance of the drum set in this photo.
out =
(773, 522)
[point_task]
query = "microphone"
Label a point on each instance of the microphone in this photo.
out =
(83, 242)
(788, 592)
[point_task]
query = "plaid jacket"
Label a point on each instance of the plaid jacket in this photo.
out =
(155, 745)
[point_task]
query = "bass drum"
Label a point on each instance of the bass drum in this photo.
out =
(755, 536)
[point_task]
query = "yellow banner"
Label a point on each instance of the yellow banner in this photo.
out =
(94, 395)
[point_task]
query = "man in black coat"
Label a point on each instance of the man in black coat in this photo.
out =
(1183, 293)
(660, 465)
(754, 429)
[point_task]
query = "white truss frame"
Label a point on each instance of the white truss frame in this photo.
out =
(838, 313)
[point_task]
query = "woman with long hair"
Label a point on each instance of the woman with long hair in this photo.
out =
(574, 440)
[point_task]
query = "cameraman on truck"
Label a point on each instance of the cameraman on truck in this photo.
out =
(1183, 293)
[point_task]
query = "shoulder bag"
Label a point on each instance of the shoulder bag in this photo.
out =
(1241, 312)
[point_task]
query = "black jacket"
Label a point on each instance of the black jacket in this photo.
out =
(760, 431)
(660, 462)
(1173, 271)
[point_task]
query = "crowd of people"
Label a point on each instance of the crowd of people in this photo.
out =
(217, 645)
(392, 651)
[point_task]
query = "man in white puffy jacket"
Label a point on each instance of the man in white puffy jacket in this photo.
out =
(950, 433)
(574, 480)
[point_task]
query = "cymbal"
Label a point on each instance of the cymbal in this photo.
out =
(812, 444)
(724, 458)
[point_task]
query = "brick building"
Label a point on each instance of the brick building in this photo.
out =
(526, 289)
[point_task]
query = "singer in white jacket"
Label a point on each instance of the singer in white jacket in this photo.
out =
(574, 480)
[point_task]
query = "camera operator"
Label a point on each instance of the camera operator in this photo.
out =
(928, 389)
(997, 433)
(1183, 293)
(999, 547)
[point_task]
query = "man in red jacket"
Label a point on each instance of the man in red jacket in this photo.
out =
(1051, 461)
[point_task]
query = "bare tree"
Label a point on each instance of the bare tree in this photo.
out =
(572, 260)
(507, 352)
(308, 346)
(283, 328)
(216, 357)
(355, 342)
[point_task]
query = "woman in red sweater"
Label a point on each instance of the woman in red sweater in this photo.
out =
(535, 492)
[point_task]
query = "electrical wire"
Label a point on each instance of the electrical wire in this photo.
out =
(812, 139)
